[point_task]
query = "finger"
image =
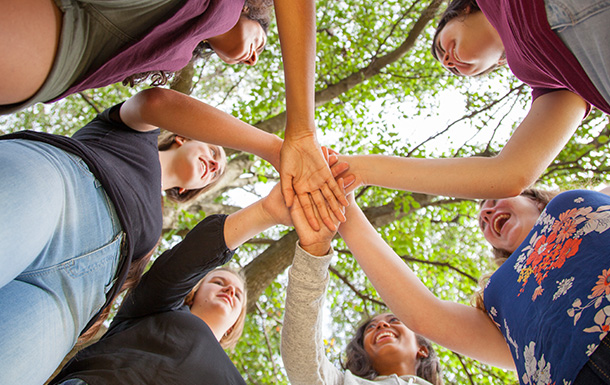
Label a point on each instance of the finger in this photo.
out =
(325, 153)
(339, 168)
(307, 207)
(287, 191)
(298, 216)
(334, 206)
(332, 152)
(320, 204)
(335, 193)
(348, 182)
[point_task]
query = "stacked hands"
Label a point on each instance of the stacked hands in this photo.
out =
(315, 183)
(316, 191)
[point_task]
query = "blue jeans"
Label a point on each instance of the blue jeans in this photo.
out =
(584, 27)
(60, 244)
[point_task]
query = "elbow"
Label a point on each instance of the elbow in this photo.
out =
(153, 98)
(513, 181)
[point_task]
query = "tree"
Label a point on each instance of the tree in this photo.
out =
(375, 79)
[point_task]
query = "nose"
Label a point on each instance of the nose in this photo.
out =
(229, 289)
(485, 214)
(252, 59)
(382, 324)
(213, 165)
(447, 61)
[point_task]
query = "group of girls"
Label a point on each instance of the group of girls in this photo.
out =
(83, 214)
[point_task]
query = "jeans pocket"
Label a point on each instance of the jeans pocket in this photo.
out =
(566, 13)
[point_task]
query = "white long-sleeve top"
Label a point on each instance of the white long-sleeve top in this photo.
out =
(302, 344)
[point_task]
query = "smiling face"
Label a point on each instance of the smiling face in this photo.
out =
(242, 44)
(197, 164)
(507, 222)
(219, 300)
(469, 45)
(390, 344)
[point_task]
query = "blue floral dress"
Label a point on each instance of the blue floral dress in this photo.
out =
(551, 298)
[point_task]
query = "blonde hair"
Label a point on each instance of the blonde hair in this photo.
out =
(232, 336)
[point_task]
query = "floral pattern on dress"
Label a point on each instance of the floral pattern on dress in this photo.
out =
(537, 372)
(556, 240)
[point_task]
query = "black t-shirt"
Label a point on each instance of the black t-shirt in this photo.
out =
(126, 162)
(154, 338)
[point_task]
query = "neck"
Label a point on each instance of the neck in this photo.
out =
(217, 326)
(167, 178)
(401, 368)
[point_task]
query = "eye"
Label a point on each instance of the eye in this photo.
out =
(395, 320)
(370, 326)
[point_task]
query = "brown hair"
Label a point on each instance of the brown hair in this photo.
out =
(164, 142)
(257, 10)
(499, 256)
(231, 337)
(359, 363)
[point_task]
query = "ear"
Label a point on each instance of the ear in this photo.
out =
(179, 140)
(228, 332)
(502, 61)
(422, 352)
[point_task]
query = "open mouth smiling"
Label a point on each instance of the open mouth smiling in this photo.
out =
(384, 335)
(499, 221)
(204, 168)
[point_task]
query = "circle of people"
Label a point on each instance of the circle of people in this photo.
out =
(83, 214)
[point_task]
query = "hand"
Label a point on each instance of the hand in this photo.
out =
(304, 173)
(315, 242)
(274, 206)
(350, 175)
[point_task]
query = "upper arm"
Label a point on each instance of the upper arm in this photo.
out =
(134, 112)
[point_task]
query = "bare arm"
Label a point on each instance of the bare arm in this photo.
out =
(259, 216)
(536, 142)
(303, 169)
(461, 328)
(191, 118)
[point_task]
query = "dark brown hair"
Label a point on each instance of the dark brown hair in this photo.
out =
(257, 10)
(499, 256)
(164, 142)
(359, 363)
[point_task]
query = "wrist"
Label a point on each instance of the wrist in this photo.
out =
(317, 249)
(298, 132)
(266, 219)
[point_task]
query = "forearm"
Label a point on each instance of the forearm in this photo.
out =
(296, 22)
(191, 118)
(246, 223)
(539, 138)
(458, 327)
(302, 346)
(473, 177)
